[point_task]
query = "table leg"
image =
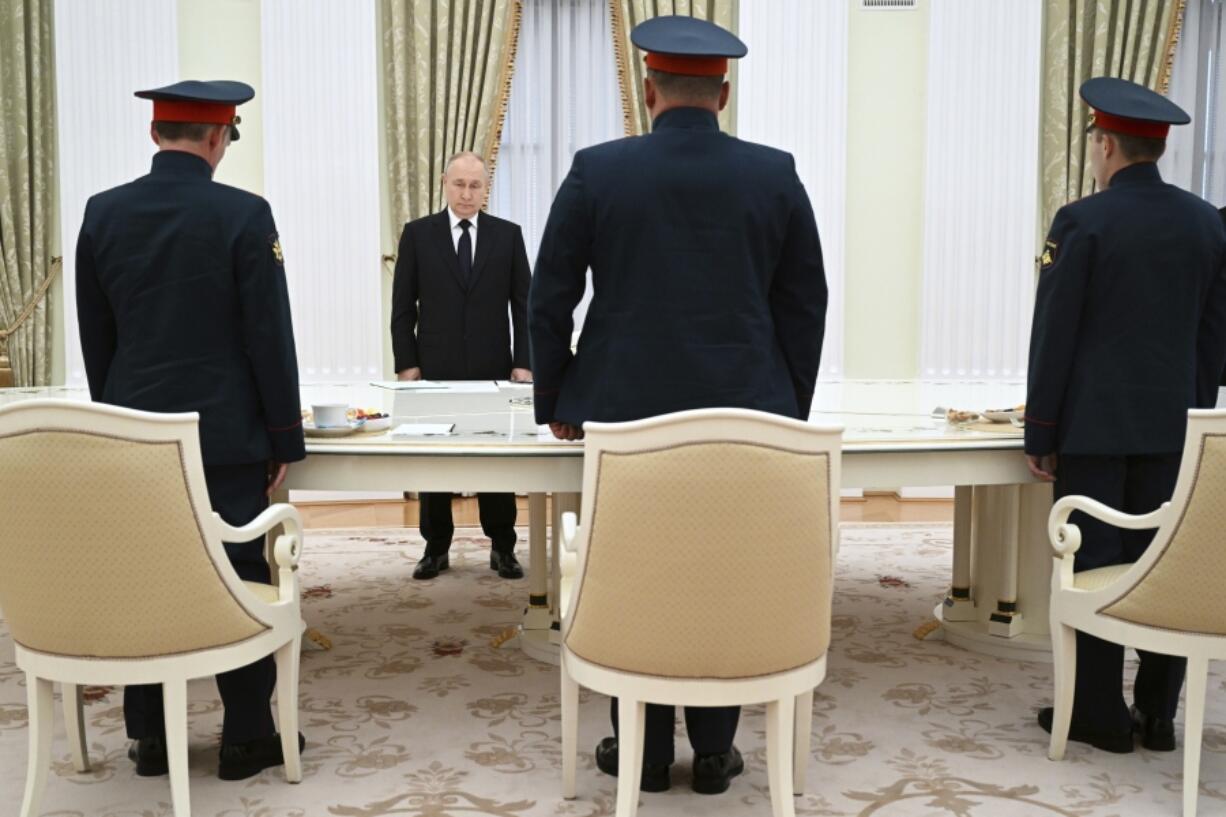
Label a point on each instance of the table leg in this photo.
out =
(959, 603)
(1010, 562)
(1007, 620)
(538, 614)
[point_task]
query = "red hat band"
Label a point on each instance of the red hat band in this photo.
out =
(691, 66)
(207, 113)
(1131, 127)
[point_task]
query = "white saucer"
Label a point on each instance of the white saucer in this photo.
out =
(309, 429)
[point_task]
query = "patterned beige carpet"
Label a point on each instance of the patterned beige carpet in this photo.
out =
(414, 713)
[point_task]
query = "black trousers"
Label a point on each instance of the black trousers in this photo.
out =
(497, 520)
(236, 492)
(711, 730)
(1134, 484)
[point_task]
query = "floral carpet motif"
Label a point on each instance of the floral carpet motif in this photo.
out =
(415, 712)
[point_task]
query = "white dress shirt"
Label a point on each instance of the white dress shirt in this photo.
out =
(456, 232)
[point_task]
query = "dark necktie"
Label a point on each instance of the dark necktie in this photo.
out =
(464, 249)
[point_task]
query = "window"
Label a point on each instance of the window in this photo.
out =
(1196, 154)
(564, 97)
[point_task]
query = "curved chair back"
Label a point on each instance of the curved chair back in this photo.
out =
(106, 543)
(707, 545)
(1185, 566)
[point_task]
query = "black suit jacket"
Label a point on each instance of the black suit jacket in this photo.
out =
(449, 330)
(708, 284)
(1129, 320)
(182, 306)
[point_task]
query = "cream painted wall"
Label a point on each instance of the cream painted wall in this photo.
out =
(887, 77)
(220, 39)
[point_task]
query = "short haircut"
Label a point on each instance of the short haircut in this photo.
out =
(183, 131)
(465, 154)
(1137, 148)
(687, 88)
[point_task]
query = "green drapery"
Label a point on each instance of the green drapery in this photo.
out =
(629, 13)
(27, 187)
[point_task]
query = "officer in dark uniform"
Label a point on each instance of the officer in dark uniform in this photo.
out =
(1129, 333)
(182, 305)
(708, 291)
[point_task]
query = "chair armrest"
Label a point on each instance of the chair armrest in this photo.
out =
(280, 514)
(570, 529)
(1066, 538)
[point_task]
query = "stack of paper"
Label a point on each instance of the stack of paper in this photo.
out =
(423, 429)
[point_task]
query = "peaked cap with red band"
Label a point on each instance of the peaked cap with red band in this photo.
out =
(206, 103)
(677, 44)
(1125, 107)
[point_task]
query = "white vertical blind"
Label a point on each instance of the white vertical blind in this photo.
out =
(564, 97)
(981, 188)
(321, 155)
(794, 45)
(103, 53)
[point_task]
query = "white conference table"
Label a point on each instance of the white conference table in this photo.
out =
(997, 601)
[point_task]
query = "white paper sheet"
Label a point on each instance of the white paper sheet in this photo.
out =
(408, 385)
(468, 387)
(513, 384)
(423, 429)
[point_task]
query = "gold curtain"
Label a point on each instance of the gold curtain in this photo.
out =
(27, 187)
(629, 13)
(1131, 39)
(447, 73)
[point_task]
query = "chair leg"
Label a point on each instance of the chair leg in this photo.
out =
(570, 731)
(74, 723)
(780, 754)
(802, 731)
(174, 707)
(288, 658)
(1193, 726)
(631, 717)
(1064, 670)
(41, 705)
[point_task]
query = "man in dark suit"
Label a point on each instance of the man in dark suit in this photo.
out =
(182, 305)
(1129, 333)
(708, 291)
(456, 272)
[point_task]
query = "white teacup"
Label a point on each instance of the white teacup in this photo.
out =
(330, 415)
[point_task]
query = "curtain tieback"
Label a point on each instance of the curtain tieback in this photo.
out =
(56, 263)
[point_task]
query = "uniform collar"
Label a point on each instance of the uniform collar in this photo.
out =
(686, 118)
(181, 163)
(454, 221)
(1139, 173)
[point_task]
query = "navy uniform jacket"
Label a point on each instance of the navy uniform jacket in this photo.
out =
(182, 305)
(708, 286)
(450, 329)
(1129, 320)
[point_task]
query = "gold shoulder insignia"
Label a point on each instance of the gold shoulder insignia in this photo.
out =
(276, 250)
(1049, 254)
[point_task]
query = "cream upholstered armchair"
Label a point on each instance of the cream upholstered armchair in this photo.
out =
(112, 571)
(735, 513)
(1169, 601)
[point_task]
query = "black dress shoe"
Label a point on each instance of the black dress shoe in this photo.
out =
(242, 760)
(430, 566)
(149, 755)
(1118, 742)
(713, 773)
(654, 779)
(1157, 734)
(506, 564)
